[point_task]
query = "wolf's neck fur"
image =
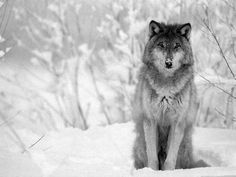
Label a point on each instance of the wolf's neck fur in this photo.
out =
(170, 85)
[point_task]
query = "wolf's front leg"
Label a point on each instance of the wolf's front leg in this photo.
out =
(174, 140)
(150, 131)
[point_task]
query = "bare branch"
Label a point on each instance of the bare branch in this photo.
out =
(99, 95)
(229, 111)
(219, 46)
(19, 140)
(222, 114)
(37, 95)
(36, 142)
(6, 121)
(217, 86)
(76, 89)
(8, 16)
(5, 5)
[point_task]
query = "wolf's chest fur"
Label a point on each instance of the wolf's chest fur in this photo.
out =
(163, 105)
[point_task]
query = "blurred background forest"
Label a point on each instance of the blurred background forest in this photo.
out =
(74, 63)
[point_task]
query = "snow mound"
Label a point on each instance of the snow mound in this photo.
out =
(107, 152)
(197, 172)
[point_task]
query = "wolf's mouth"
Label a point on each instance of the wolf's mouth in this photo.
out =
(168, 64)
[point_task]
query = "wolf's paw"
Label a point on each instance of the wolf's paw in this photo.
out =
(153, 165)
(169, 166)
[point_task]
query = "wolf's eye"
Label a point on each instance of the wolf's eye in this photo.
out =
(161, 44)
(177, 46)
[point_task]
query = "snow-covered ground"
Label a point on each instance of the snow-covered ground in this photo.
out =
(106, 151)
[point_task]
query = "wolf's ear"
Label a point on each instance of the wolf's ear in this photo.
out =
(185, 30)
(155, 28)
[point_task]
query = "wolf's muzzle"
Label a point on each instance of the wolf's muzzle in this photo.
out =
(168, 64)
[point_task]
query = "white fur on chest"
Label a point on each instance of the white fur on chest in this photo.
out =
(163, 107)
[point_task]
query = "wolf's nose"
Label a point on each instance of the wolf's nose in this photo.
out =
(168, 64)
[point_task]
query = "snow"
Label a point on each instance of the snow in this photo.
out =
(17, 165)
(106, 151)
(200, 172)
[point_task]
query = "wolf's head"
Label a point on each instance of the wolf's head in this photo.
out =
(168, 48)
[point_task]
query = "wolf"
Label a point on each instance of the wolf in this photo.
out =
(165, 106)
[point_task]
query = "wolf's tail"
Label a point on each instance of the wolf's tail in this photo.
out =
(199, 164)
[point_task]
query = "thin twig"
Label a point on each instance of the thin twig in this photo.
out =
(62, 110)
(217, 86)
(222, 114)
(76, 85)
(219, 46)
(99, 95)
(4, 13)
(36, 142)
(22, 145)
(229, 111)
(8, 17)
(32, 145)
(229, 5)
(37, 94)
(7, 120)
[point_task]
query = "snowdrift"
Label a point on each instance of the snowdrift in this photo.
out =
(106, 151)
